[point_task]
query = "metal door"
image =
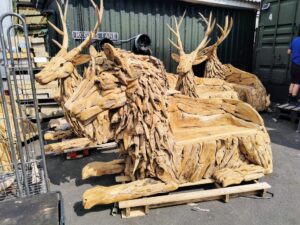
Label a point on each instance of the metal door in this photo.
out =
(277, 27)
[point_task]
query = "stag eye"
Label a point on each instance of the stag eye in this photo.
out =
(61, 64)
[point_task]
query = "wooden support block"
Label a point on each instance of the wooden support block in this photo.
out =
(146, 209)
(121, 179)
(127, 212)
(226, 198)
(133, 213)
(263, 193)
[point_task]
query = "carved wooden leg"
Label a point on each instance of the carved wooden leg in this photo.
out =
(95, 169)
(106, 195)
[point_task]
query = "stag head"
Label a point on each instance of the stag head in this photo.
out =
(187, 60)
(63, 64)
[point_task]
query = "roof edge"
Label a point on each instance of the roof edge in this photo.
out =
(227, 3)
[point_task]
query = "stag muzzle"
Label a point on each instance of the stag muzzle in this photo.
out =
(50, 73)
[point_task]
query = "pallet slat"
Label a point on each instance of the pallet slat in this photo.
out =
(193, 196)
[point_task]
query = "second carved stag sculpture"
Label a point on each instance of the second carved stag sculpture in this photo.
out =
(248, 86)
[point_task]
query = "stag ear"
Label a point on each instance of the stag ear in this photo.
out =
(175, 57)
(93, 51)
(113, 55)
(81, 59)
(199, 59)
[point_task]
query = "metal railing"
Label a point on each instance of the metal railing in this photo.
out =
(23, 169)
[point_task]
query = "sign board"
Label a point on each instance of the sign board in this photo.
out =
(77, 35)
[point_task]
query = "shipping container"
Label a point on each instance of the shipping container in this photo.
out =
(278, 25)
(131, 17)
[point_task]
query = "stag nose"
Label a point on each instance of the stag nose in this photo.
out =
(44, 77)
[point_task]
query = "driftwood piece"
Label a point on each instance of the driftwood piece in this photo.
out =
(59, 124)
(175, 139)
(60, 147)
(57, 135)
(95, 169)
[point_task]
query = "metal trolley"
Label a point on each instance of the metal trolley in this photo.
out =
(22, 160)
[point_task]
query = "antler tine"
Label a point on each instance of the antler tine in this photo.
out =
(224, 31)
(93, 33)
(66, 11)
(56, 28)
(176, 32)
(58, 44)
(210, 27)
(64, 25)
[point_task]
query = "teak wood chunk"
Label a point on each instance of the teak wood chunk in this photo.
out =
(60, 147)
(95, 169)
(57, 135)
(174, 138)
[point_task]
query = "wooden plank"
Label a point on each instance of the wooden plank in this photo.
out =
(194, 196)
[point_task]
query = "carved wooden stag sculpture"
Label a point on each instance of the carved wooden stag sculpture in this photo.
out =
(62, 67)
(185, 81)
(168, 140)
(248, 86)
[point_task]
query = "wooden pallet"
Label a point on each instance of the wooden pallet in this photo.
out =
(288, 112)
(142, 206)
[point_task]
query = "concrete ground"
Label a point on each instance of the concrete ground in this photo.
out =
(282, 209)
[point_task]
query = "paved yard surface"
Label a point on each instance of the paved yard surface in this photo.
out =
(282, 209)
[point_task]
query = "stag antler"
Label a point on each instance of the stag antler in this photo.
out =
(176, 32)
(64, 32)
(224, 31)
(210, 26)
(92, 34)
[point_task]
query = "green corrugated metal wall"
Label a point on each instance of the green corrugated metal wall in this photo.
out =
(131, 17)
(279, 23)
